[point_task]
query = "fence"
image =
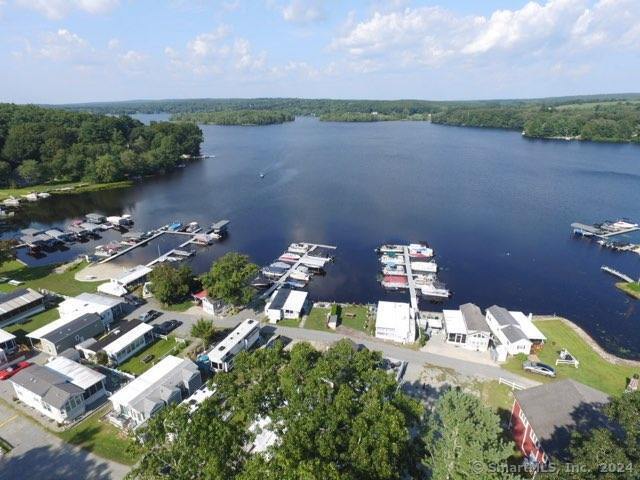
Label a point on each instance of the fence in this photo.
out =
(509, 383)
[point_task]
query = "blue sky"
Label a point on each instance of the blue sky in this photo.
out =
(55, 51)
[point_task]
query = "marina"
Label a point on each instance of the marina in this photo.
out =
(614, 235)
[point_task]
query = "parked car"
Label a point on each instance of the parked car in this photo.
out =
(149, 316)
(11, 371)
(165, 327)
(539, 368)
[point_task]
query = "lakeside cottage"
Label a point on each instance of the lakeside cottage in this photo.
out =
(286, 303)
(59, 335)
(19, 305)
(467, 328)
(123, 342)
(395, 322)
(513, 332)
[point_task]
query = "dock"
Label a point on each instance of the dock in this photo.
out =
(128, 249)
(617, 273)
(413, 297)
(283, 279)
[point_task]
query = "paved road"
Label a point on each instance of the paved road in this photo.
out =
(40, 455)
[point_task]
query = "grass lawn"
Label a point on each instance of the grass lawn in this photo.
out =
(357, 318)
(179, 307)
(35, 322)
(159, 349)
(45, 278)
(289, 322)
(61, 187)
(495, 395)
(632, 289)
(593, 370)
(317, 319)
(101, 438)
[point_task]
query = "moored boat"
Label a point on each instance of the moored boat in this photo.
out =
(299, 248)
(394, 282)
(430, 267)
(289, 257)
(389, 248)
(392, 259)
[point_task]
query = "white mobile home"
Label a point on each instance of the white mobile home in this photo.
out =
(467, 327)
(285, 303)
(395, 321)
(242, 338)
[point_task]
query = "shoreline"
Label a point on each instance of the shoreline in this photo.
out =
(61, 189)
(609, 357)
(625, 287)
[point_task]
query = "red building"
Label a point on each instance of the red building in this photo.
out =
(543, 417)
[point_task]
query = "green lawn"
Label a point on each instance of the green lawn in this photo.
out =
(179, 307)
(159, 349)
(357, 318)
(61, 187)
(593, 370)
(289, 322)
(45, 278)
(35, 322)
(317, 319)
(632, 289)
(101, 438)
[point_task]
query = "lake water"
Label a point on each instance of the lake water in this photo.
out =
(496, 208)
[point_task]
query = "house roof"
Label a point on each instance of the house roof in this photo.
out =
(132, 275)
(508, 324)
(18, 298)
(454, 322)
(5, 336)
(394, 315)
(279, 298)
(473, 318)
(53, 387)
(87, 303)
(242, 331)
(530, 330)
(64, 328)
(121, 339)
(295, 301)
(80, 375)
(145, 391)
(555, 409)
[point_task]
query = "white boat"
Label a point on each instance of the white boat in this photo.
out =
(430, 267)
(314, 263)
(393, 269)
(31, 197)
(392, 259)
(419, 251)
(427, 279)
(44, 195)
(435, 290)
(389, 248)
(289, 257)
(298, 275)
(299, 248)
(11, 202)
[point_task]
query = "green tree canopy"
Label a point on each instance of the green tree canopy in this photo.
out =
(229, 278)
(171, 285)
(7, 252)
(204, 330)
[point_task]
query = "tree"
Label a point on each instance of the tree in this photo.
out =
(102, 358)
(334, 415)
(229, 278)
(6, 251)
(171, 285)
(5, 173)
(30, 171)
(462, 439)
(204, 330)
(108, 168)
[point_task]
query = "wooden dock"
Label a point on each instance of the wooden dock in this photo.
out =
(413, 297)
(617, 273)
(128, 249)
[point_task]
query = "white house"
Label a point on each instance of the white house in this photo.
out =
(169, 381)
(285, 303)
(119, 285)
(61, 390)
(507, 331)
(243, 337)
(395, 321)
(109, 308)
(209, 305)
(124, 341)
(467, 328)
(8, 342)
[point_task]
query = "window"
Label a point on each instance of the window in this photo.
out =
(533, 437)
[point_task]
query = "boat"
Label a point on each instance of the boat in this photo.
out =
(417, 250)
(31, 197)
(261, 281)
(262, 175)
(175, 226)
(295, 283)
(313, 263)
(298, 275)
(276, 269)
(420, 280)
(430, 267)
(44, 195)
(393, 269)
(193, 227)
(394, 282)
(289, 257)
(435, 291)
(321, 253)
(388, 248)
(11, 202)
(299, 248)
(392, 259)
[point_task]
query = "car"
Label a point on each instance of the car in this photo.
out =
(11, 371)
(165, 327)
(149, 316)
(539, 368)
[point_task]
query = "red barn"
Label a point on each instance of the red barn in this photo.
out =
(543, 417)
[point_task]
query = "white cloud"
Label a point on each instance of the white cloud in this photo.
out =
(303, 11)
(113, 44)
(434, 35)
(58, 9)
(62, 45)
(132, 60)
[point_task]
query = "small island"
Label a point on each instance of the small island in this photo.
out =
(236, 117)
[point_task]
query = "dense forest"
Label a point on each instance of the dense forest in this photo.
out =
(42, 144)
(236, 117)
(369, 117)
(600, 122)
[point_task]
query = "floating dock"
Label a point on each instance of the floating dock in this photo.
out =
(617, 273)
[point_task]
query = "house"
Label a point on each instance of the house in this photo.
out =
(544, 417)
(120, 285)
(208, 304)
(8, 343)
(109, 308)
(19, 305)
(285, 303)
(395, 321)
(243, 337)
(57, 336)
(61, 390)
(124, 341)
(169, 381)
(507, 331)
(467, 327)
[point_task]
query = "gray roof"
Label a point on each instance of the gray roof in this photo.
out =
(279, 299)
(556, 409)
(117, 331)
(72, 327)
(509, 325)
(53, 387)
(18, 299)
(514, 333)
(473, 318)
